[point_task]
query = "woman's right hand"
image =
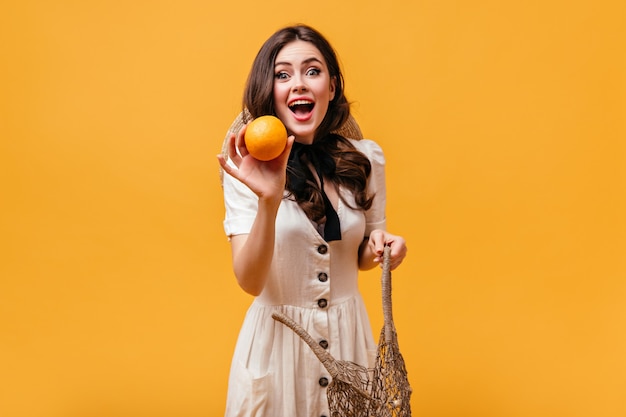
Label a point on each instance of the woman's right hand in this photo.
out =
(265, 178)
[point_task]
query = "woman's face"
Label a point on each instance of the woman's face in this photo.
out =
(303, 89)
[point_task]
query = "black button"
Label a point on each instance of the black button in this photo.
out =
(322, 276)
(322, 249)
(324, 343)
(322, 303)
(323, 382)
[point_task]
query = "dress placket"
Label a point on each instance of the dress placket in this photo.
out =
(321, 303)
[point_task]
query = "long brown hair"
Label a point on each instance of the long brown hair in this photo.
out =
(352, 167)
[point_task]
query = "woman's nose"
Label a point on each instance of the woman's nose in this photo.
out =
(298, 85)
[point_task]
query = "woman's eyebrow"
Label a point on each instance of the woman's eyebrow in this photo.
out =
(305, 62)
(312, 59)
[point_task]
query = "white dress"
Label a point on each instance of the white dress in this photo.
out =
(273, 372)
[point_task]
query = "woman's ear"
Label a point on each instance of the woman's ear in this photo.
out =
(333, 87)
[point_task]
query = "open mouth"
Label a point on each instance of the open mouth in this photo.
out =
(301, 107)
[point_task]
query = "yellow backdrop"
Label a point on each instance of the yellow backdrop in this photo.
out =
(504, 129)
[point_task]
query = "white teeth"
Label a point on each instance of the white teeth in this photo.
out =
(298, 102)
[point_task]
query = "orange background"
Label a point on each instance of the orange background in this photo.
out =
(504, 126)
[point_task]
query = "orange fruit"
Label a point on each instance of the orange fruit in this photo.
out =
(266, 138)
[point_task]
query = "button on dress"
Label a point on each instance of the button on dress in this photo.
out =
(273, 372)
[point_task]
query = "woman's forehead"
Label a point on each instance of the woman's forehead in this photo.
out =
(298, 51)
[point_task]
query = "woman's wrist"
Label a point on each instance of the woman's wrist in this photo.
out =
(270, 204)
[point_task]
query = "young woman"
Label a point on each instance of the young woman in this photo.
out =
(301, 226)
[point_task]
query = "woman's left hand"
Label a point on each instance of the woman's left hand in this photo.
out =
(376, 243)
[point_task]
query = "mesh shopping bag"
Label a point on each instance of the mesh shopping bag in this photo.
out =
(356, 391)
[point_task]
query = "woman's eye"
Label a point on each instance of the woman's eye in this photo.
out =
(281, 76)
(313, 71)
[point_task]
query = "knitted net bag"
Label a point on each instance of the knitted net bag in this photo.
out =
(356, 391)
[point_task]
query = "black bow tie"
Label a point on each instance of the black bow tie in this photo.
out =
(324, 164)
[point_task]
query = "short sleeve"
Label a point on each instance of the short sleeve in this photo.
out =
(241, 206)
(375, 217)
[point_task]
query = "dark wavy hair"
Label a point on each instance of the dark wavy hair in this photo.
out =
(352, 167)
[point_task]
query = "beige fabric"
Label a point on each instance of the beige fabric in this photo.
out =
(349, 130)
(315, 283)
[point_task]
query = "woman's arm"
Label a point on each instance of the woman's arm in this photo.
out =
(252, 253)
